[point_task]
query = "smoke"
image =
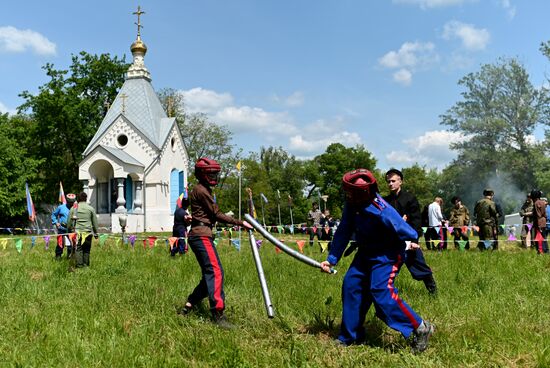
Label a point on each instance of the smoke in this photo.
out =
(507, 194)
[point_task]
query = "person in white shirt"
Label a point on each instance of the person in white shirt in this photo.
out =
(437, 225)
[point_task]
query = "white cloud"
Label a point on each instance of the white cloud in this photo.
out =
(510, 9)
(296, 99)
(4, 109)
(222, 109)
(246, 118)
(430, 149)
(472, 38)
(410, 57)
(403, 76)
(312, 145)
(269, 127)
(205, 101)
(16, 40)
(433, 3)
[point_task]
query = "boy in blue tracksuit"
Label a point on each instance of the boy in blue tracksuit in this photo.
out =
(383, 236)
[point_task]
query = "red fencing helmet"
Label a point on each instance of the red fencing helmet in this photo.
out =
(360, 185)
(207, 171)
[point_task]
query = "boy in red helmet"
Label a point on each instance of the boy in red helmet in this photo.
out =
(206, 213)
(383, 236)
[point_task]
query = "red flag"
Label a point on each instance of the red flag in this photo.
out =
(301, 245)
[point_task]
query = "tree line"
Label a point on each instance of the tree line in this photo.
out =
(497, 116)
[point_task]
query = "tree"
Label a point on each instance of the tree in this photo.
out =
(202, 137)
(68, 110)
(324, 173)
(499, 112)
(16, 167)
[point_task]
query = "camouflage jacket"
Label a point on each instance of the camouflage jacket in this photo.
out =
(485, 212)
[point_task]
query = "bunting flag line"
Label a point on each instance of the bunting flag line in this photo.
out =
(172, 240)
(19, 245)
(512, 237)
(102, 239)
(301, 244)
(132, 239)
(462, 244)
(236, 243)
(324, 246)
(33, 241)
(47, 242)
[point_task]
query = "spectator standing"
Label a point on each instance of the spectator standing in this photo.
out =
(539, 221)
(314, 217)
(327, 224)
(60, 219)
(487, 219)
(407, 206)
(182, 219)
(436, 222)
(85, 226)
(526, 213)
(460, 217)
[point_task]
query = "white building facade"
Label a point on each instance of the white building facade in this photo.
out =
(136, 163)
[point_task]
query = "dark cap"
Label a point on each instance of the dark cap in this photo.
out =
(488, 191)
(455, 199)
(393, 171)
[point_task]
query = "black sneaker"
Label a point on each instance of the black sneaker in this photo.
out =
(186, 309)
(419, 342)
(431, 286)
(221, 321)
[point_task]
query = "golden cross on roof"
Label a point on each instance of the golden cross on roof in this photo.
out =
(123, 97)
(138, 24)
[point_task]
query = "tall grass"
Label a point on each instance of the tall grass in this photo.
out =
(492, 310)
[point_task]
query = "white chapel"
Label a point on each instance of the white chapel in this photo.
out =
(136, 163)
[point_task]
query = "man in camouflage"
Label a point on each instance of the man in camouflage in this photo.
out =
(460, 218)
(526, 212)
(487, 219)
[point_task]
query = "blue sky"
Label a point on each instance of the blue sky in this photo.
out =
(296, 74)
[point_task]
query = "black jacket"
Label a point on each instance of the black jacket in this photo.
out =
(406, 204)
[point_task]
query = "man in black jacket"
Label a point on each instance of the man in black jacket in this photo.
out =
(407, 206)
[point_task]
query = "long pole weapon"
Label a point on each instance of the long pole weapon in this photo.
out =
(291, 252)
(258, 261)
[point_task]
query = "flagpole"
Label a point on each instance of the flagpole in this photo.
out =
(279, 206)
(263, 214)
(240, 183)
(290, 208)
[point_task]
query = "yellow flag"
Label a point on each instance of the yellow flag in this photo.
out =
(239, 165)
(324, 246)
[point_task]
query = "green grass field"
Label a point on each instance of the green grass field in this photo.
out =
(492, 310)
